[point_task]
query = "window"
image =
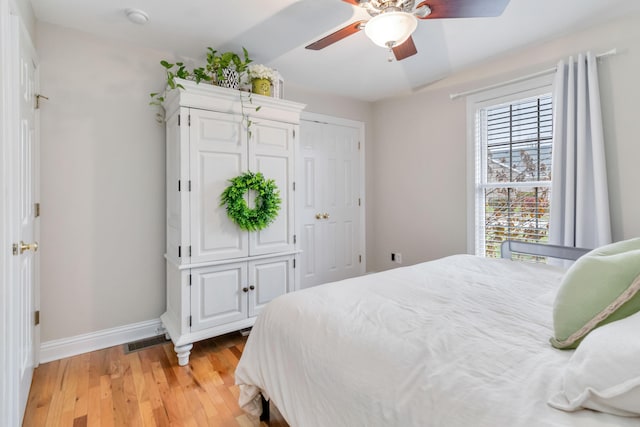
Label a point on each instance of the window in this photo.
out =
(512, 142)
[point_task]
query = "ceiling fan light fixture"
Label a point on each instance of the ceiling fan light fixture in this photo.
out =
(391, 29)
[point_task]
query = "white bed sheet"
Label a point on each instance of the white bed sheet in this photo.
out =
(461, 341)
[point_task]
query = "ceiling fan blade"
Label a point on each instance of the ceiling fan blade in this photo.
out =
(352, 28)
(464, 8)
(405, 50)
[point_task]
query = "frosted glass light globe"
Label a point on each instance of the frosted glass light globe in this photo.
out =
(391, 28)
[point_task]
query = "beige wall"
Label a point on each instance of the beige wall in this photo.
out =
(103, 167)
(420, 186)
(103, 191)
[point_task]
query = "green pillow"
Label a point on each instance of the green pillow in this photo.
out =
(599, 288)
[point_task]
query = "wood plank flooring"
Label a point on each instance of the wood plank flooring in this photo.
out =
(143, 388)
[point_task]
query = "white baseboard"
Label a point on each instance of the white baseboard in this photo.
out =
(72, 346)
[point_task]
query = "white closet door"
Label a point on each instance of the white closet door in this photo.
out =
(218, 153)
(330, 203)
(271, 152)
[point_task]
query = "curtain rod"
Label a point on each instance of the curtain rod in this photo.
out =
(523, 78)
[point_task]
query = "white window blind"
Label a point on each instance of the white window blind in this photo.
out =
(513, 172)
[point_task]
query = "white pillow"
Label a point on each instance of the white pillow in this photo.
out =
(604, 372)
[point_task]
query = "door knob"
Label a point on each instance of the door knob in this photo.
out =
(318, 216)
(28, 247)
(252, 287)
(245, 289)
(325, 216)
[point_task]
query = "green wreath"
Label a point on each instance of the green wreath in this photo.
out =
(267, 201)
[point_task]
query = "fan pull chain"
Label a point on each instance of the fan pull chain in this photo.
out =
(390, 57)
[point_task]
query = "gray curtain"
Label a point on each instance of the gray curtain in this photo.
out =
(579, 196)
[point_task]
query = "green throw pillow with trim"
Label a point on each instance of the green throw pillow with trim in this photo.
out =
(599, 288)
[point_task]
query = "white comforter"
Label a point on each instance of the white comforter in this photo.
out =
(462, 341)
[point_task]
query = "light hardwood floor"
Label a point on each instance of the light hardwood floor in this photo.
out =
(142, 388)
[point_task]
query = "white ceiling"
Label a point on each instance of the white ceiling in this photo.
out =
(275, 33)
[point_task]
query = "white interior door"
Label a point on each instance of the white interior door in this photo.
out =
(331, 202)
(25, 224)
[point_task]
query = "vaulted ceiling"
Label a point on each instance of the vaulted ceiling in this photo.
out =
(275, 32)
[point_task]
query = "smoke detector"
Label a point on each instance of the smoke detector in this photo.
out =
(137, 16)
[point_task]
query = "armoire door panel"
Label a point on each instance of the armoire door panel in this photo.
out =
(276, 237)
(222, 130)
(271, 137)
(217, 237)
(270, 279)
(271, 153)
(217, 295)
(218, 154)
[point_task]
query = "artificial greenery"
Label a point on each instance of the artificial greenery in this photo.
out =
(180, 72)
(211, 72)
(267, 201)
(216, 63)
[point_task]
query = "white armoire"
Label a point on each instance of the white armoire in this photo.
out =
(218, 276)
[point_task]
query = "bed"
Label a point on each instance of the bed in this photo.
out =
(460, 341)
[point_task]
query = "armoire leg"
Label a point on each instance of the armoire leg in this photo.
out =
(183, 352)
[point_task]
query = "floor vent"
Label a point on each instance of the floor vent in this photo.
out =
(148, 342)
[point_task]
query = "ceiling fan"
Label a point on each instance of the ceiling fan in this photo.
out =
(393, 21)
